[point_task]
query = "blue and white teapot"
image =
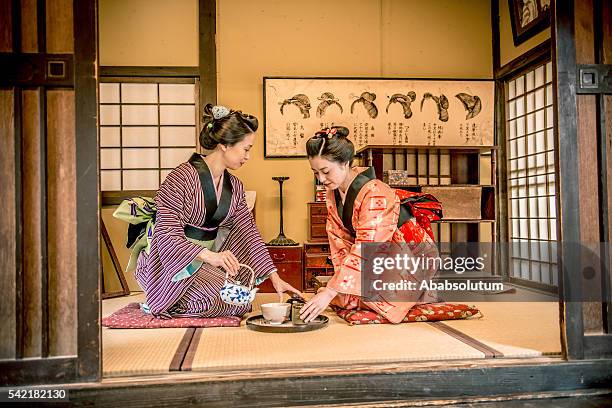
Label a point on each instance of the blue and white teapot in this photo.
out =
(236, 294)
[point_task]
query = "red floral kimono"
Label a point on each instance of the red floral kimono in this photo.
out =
(370, 213)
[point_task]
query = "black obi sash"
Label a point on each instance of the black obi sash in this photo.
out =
(345, 211)
(215, 214)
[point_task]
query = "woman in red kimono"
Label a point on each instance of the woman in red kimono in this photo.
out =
(363, 209)
(202, 227)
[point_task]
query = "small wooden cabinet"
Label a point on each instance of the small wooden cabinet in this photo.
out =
(317, 217)
(288, 261)
(315, 263)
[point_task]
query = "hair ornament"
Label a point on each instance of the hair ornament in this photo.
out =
(219, 112)
(325, 133)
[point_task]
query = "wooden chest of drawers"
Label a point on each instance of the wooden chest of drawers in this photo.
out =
(317, 216)
(288, 260)
(315, 263)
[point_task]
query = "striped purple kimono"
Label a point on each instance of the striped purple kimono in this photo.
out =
(182, 205)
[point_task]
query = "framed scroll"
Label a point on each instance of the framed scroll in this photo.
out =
(415, 112)
(528, 17)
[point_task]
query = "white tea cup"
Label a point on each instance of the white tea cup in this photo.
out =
(275, 313)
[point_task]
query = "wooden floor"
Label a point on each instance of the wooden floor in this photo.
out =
(508, 330)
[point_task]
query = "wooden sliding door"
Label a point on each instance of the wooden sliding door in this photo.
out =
(49, 250)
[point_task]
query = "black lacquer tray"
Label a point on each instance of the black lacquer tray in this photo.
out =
(258, 323)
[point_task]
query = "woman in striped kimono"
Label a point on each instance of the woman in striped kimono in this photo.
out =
(363, 209)
(204, 228)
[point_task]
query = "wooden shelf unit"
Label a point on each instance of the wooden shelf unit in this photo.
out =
(461, 172)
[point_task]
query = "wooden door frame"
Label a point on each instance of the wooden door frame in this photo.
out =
(577, 344)
(86, 365)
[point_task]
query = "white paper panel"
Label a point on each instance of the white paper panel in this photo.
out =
(520, 147)
(512, 129)
(529, 81)
(109, 93)
(511, 89)
(542, 207)
(552, 207)
(539, 98)
(533, 207)
(531, 123)
(511, 109)
(539, 76)
(110, 136)
(140, 158)
(531, 143)
(176, 93)
(522, 204)
(520, 85)
(141, 179)
(539, 117)
(140, 136)
(177, 115)
(139, 114)
(178, 136)
(524, 227)
(520, 126)
(110, 158)
(109, 115)
(540, 141)
(110, 180)
(549, 72)
(530, 101)
(520, 106)
(139, 93)
(549, 95)
(171, 158)
(550, 139)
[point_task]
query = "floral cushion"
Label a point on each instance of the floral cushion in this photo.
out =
(430, 312)
(132, 317)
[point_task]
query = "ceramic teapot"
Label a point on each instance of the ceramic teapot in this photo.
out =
(234, 293)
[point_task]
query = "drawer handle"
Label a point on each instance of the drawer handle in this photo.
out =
(278, 257)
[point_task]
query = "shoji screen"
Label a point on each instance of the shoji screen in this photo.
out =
(146, 129)
(531, 176)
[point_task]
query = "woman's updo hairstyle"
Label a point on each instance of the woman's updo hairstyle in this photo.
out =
(225, 126)
(332, 144)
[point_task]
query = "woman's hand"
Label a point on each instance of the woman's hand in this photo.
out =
(281, 286)
(225, 259)
(317, 304)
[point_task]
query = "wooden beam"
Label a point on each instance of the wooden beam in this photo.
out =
(208, 52)
(172, 72)
(366, 385)
(32, 242)
(8, 226)
(564, 83)
(536, 56)
(89, 269)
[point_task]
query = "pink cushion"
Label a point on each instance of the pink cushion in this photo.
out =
(131, 317)
(430, 312)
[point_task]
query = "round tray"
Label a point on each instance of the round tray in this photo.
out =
(258, 323)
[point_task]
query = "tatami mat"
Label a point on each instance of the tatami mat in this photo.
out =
(338, 343)
(508, 329)
(139, 351)
(517, 329)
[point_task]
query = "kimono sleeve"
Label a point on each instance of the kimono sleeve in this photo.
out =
(375, 218)
(173, 199)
